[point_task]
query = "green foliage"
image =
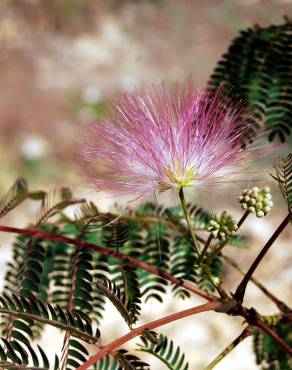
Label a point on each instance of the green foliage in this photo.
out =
(284, 178)
(257, 67)
(118, 299)
(166, 352)
(121, 360)
(31, 309)
(269, 355)
(15, 355)
(50, 282)
(107, 363)
(155, 253)
(182, 264)
(238, 241)
(129, 361)
(77, 354)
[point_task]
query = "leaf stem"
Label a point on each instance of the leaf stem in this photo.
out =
(188, 219)
(206, 246)
(74, 331)
(246, 332)
(217, 250)
(240, 291)
(243, 218)
(210, 306)
(222, 245)
(108, 252)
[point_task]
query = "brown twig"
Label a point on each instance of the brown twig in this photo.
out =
(240, 291)
(108, 252)
(210, 306)
(280, 304)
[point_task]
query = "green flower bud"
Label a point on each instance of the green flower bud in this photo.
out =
(256, 200)
(224, 226)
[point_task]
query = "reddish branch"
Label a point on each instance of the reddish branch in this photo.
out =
(210, 306)
(240, 291)
(215, 304)
(108, 252)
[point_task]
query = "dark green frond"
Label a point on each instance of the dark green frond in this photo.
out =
(131, 290)
(258, 67)
(15, 195)
(166, 352)
(128, 361)
(22, 355)
(115, 234)
(155, 253)
(269, 355)
(117, 298)
(182, 264)
(107, 363)
(77, 354)
(284, 178)
(29, 310)
(27, 276)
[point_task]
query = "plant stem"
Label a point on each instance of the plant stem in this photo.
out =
(217, 250)
(187, 216)
(222, 245)
(246, 332)
(108, 252)
(240, 291)
(243, 218)
(204, 251)
(280, 304)
(221, 292)
(66, 327)
(210, 306)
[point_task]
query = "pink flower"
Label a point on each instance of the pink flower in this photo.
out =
(156, 141)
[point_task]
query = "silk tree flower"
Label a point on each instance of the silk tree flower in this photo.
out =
(155, 141)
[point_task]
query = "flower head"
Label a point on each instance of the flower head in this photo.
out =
(155, 141)
(255, 200)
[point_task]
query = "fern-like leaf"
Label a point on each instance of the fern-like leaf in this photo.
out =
(117, 298)
(22, 355)
(182, 261)
(130, 362)
(54, 202)
(15, 195)
(31, 309)
(269, 355)
(166, 352)
(156, 253)
(284, 178)
(257, 66)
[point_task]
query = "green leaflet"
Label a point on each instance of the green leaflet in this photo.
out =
(166, 352)
(269, 355)
(284, 178)
(13, 354)
(257, 67)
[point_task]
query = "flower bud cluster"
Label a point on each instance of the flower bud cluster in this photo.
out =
(255, 200)
(222, 227)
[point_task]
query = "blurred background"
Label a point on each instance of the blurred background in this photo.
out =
(62, 60)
